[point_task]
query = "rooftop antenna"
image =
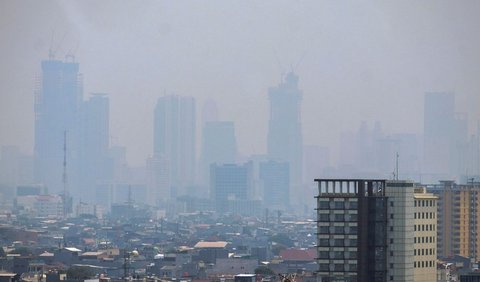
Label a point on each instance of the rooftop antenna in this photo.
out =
(396, 165)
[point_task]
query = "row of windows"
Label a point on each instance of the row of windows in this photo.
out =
(337, 267)
(423, 264)
(337, 205)
(424, 203)
(427, 239)
(424, 227)
(337, 242)
(423, 215)
(337, 255)
(423, 252)
(337, 217)
(337, 230)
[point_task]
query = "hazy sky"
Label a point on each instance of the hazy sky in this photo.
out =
(361, 61)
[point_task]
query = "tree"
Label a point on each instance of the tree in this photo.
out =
(80, 272)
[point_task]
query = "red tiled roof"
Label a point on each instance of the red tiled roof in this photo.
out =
(299, 254)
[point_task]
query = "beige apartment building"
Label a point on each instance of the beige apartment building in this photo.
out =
(425, 236)
(458, 219)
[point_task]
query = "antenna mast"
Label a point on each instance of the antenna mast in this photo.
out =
(396, 164)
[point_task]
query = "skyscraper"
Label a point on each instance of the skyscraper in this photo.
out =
(230, 185)
(94, 162)
(275, 178)
(284, 127)
(352, 234)
(219, 145)
(174, 140)
(57, 102)
(438, 129)
(375, 230)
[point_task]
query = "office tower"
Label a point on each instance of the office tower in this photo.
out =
(400, 234)
(458, 219)
(438, 129)
(174, 140)
(57, 101)
(230, 185)
(275, 179)
(94, 161)
(368, 230)
(352, 233)
(425, 229)
(284, 127)
(219, 146)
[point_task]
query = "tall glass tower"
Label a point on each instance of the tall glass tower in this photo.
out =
(284, 127)
(57, 101)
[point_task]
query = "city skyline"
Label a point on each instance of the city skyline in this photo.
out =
(421, 60)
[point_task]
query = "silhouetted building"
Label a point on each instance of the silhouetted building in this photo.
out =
(95, 164)
(219, 145)
(445, 137)
(275, 178)
(174, 140)
(230, 185)
(284, 127)
(57, 103)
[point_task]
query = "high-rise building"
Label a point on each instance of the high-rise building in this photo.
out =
(352, 233)
(275, 179)
(458, 219)
(439, 111)
(231, 185)
(94, 161)
(284, 127)
(424, 242)
(400, 230)
(219, 146)
(57, 103)
(368, 231)
(174, 140)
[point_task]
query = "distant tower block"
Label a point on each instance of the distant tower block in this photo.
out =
(284, 127)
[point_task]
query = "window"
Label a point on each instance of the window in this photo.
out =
(391, 203)
(324, 267)
(323, 230)
(391, 266)
(391, 216)
(323, 255)
(324, 243)
(324, 205)
(338, 242)
(324, 217)
(339, 205)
